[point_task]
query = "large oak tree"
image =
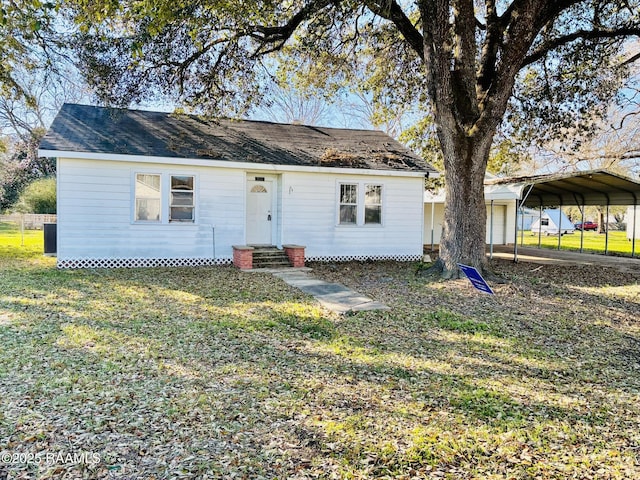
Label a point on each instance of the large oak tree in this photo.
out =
(474, 63)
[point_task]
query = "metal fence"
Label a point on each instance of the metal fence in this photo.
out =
(29, 221)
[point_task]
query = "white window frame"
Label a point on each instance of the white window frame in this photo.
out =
(165, 198)
(360, 203)
(364, 217)
(136, 197)
(171, 205)
(348, 204)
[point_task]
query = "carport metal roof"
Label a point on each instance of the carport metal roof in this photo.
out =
(592, 187)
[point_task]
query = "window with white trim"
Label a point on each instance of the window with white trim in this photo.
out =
(163, 198)
(148, 198)
(348, 204)
(373, 204)
(360, 204)
(182, 206)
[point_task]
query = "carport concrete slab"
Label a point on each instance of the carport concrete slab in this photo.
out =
(333, 296)
(545, 256)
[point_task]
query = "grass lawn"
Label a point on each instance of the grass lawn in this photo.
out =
(213, 373)
(15, 244)
(591, 242)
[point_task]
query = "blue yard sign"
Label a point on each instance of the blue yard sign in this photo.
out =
(476, 279)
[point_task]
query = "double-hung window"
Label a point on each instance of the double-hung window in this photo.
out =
(162, 198)
(348, 204)
(148, 198)
(373, 204)
(182, 207)
(360, 204)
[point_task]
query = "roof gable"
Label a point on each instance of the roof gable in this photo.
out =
(99, 130)
(556, 216)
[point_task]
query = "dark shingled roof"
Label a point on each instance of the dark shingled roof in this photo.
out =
(82, 128)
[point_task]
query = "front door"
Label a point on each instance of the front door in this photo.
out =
(259, 214)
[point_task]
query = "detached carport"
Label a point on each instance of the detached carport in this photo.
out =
(586, 188)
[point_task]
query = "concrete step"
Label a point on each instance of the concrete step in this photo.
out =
(270, 257)
(269, 254)
(272, 265)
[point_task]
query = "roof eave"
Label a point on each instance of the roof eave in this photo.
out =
(201, 162)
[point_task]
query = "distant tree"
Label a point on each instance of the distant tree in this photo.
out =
(36, 77)
(38, 197)
(19, 166)
(286, 102)
(536, 63)
(23, 120)
(615, 146)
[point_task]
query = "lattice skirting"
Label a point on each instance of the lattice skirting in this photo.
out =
(140, 262)
(363, 258)
(72, 263)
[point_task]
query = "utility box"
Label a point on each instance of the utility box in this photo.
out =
(50, 238)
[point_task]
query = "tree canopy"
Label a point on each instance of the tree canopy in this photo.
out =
(541, 65)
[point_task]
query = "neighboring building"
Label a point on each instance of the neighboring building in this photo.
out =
(501, 214)
(139, 188)
(552, 222)
(526, 216)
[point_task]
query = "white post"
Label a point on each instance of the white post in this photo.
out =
(491, 233)
(433, 216)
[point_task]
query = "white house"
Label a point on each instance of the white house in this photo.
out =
(140, 188)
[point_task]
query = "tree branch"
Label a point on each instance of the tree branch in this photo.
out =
(280, 34)
(552, 44)
(464, 59)
(390, 10)
(622, 120)
(630, 60)
(490, 47)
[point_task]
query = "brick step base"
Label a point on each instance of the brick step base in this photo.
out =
(247, 257)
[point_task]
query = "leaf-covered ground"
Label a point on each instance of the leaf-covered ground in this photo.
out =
(214, 373)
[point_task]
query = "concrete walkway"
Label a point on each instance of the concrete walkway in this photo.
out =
(333, 296)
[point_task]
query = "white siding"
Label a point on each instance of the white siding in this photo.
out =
(96, 199)
(95, 216)
(310, 217)
(503, 223)
(438, 217)
(510, 222)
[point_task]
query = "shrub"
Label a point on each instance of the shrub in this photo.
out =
(39, 197)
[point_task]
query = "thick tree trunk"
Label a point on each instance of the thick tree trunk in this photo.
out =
(464, 229)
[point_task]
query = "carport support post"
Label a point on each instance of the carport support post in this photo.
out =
(606, 231)
(433, 208)
(582, 229)
(515, 243)
(521, 225)
(491, 232)
(560, 226)
(635, 229)
(540, 227)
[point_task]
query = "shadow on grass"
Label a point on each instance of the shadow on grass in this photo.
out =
(189, 356)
